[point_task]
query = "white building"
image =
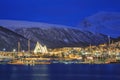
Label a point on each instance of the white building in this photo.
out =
(40, 49)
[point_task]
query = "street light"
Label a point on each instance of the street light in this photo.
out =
(109, 46)
(4, 49)
(14, 50)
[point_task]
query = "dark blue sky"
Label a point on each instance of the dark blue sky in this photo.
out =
(65, 12)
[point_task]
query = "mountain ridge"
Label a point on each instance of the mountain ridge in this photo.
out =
(11, 24)
(107, 23)
(55, 36)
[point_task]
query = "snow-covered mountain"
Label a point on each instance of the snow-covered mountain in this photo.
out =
(53, 35)
(107, 23)
(62, 37)
(15, 24)
(9, 40)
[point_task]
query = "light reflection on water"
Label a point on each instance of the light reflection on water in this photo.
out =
(60, 72)
(40, 72)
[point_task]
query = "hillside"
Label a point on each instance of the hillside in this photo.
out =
(9, 40)
(62, 37)
(51, 35)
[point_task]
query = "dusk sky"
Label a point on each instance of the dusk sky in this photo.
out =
(65, 12)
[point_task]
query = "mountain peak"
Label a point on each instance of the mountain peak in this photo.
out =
(107, 23)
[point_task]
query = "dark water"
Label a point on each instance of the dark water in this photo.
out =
(60, 72)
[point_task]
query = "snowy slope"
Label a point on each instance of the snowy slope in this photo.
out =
(13, 24)
(9, 40)
(62, 37)
(107, 23)
(54, 35)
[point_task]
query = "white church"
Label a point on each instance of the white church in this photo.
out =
(40, 49)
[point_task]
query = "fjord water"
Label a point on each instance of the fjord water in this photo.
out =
(60, 72)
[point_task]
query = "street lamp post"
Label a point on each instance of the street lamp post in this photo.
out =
(109, 46)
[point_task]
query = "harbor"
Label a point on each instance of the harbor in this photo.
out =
(42, 59)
